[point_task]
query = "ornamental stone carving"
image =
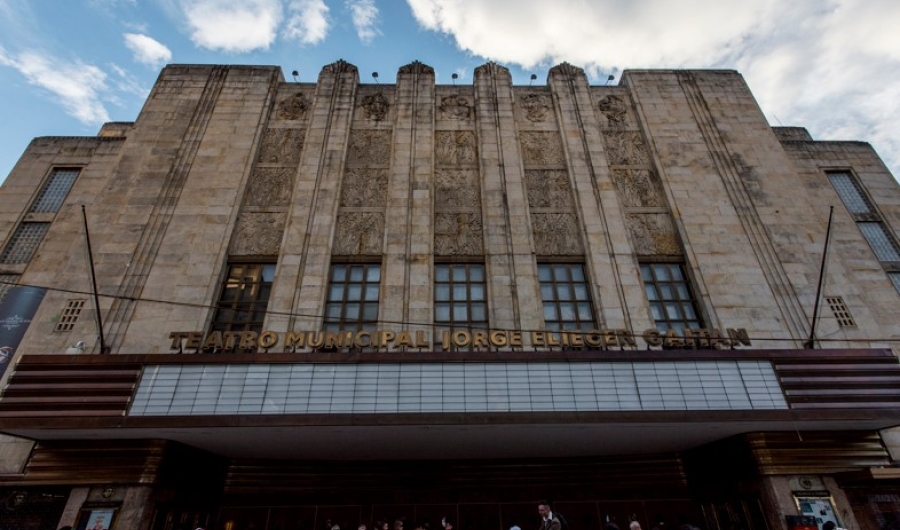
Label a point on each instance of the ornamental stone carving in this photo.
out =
(258, 234)
(339, 67)
(281, 146)
(626, 148)
(637, 187)
(369, 148)
(359, 234)
(294, 107)
(416, 67)
(653, 234)
(375, 106)
(459, 233)
(535, 107)
(456, 188)
(269, 186)
(542, 149)
(364, 187)
(455, 107)
(614, 110)
(455, 148)
(556, 234)
(548, 188)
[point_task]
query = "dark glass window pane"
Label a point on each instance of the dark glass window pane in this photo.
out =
(357, 305)
(668, 282)
(244, 297)
(442, 292)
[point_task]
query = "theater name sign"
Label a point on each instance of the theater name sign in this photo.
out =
(602, 339)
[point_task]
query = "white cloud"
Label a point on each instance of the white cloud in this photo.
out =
(77, 85)
(233, 25)
(308, 21)
(147, 50)
(364, 14)
(830, 65)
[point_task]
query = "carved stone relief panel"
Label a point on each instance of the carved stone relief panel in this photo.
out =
(653, 234)
(614, 109)
(548, 188)
(294, 107)
(269, 186)
(258, 234)
(456, 188)
(281, 146)
(375, 106)
(535, 107)
(626, 148)
(556, 234)
(455, 148)
(369, 148)
(364, 187)
(456, 107)
(637, 187)
(359, 234)
(458, 233)
(542, 149)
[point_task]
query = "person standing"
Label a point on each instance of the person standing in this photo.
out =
(548, 520)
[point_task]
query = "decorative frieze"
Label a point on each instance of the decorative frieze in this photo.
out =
(613, 108)
(535, 107)
(281, 146)
(542, 149)
(258, 234)
(459, 233)
(269, 186)
(294, 107)
(556, 234)
(369, 148)
(359, 234)
(375, 106)
(548, 188)
(626, 148)
(653, 234)
(637, 187)
(456, 188)
(364, 187)
(455, 148)
(456, 107)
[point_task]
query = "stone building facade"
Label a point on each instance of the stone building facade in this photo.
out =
(350, 302)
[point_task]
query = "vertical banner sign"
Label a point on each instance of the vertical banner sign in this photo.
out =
(16, 311)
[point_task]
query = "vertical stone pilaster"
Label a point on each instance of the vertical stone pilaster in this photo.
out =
(406, 282)
(311, 220)
(515, 301)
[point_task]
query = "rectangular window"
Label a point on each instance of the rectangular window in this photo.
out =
(24, 243)
(245, 297)
(353, 292)
(460, 296)
(849, 192)
(671, 302)
(55, 190)
(881, 242)
(566, 297)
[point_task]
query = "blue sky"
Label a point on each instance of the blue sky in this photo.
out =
(833, 66)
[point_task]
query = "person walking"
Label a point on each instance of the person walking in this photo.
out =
(548, 520)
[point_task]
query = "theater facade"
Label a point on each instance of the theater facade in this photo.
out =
(281, 305)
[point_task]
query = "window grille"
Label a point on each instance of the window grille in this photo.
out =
(566, 297)
(881, 242)
(24, 242)
(841, 313)
(353, 293)
(671, 302)
(69, 315)
(245, 297)
(54, 191)
(849, 192)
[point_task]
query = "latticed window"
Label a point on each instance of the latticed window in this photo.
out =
(881, 242)
(849, 192)
(55, 190)
(566, 297)
(353, 292)
(460, 296)
(245, 297)
(671, 302)
(70, 315)
(24, 243)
